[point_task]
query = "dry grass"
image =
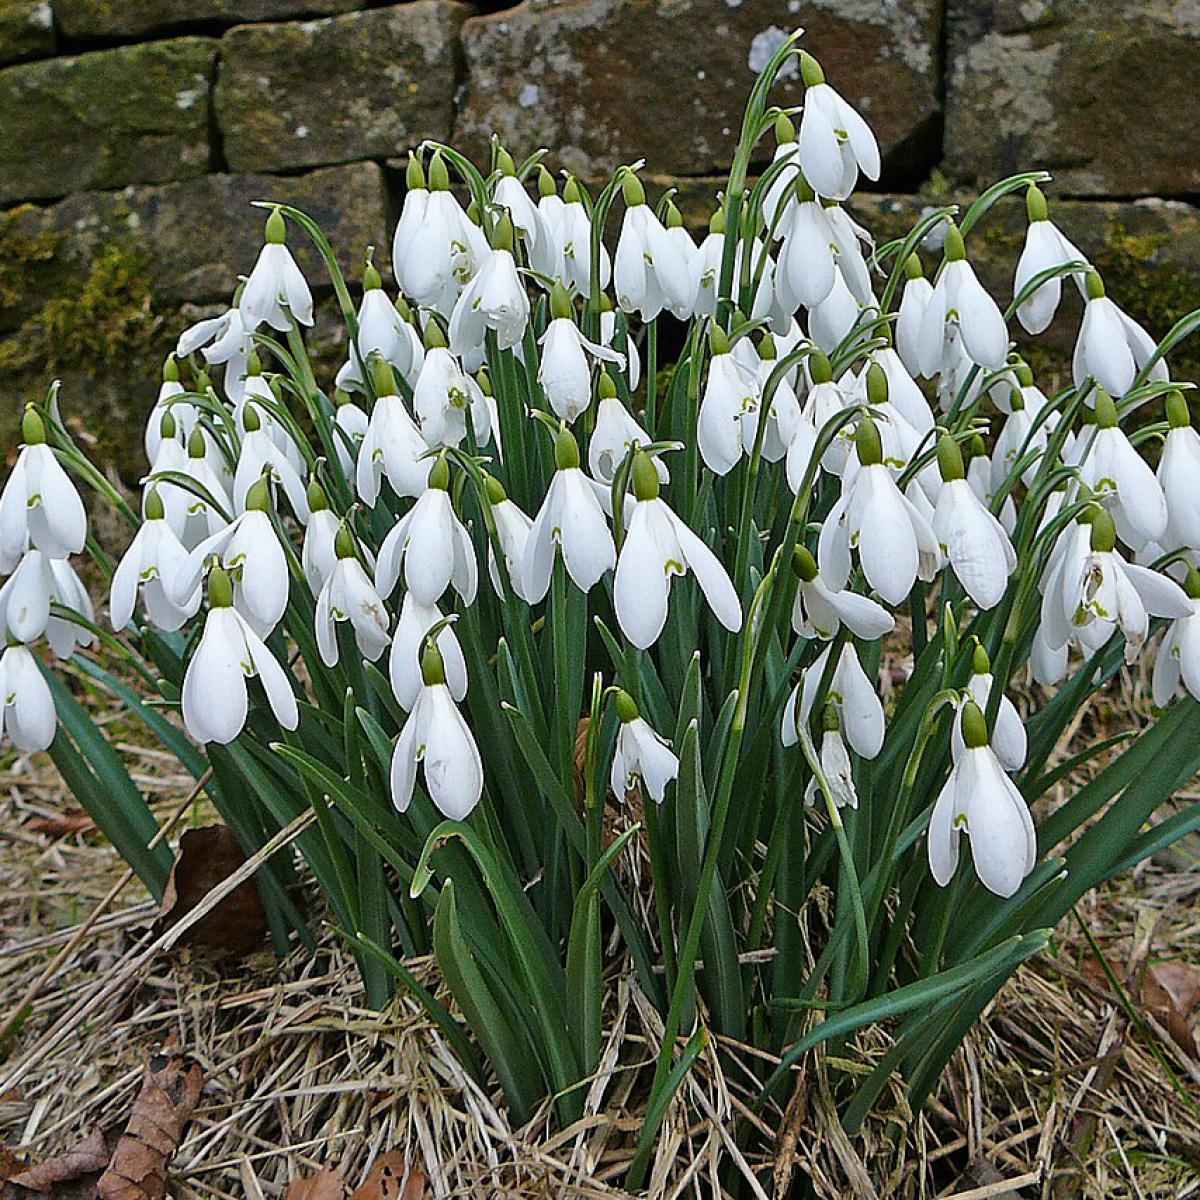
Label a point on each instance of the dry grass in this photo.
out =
(1055, 1093)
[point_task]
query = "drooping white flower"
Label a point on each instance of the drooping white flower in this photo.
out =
(564, 372)
(350, 424)
(830, 321)
(835, 142)
(572, 520)
(850, 693)
(154, 557)
(894, 541)
(914, 300)
(431, 545)
(26, 705)
(608, 333)
(260, 456)
(436, 737)
(183, 414)
(408, 644)
(640, 754)
(731, 391)
(969, 535)
(318, 555)
(1045, 248)
(1178, 658)
(572, 232)
(276, 291)
(1009, 740)
(512, 532)
(393, 445)
(658, 546)
(805, 272)
(782, 414)
(819, 611)
(39, 505)
(224, 341)
(412, 212)
(383, 330)
(616, 430)
(1178, 476)
(1019, 436)
(979, 799)
(960, 303)
(27, 596)
(443, 396)
(192, 513)
(495, 299)
(349, 596)
(541, 248)
(835, 765)
(214, 700)
(1112, 347)
(651, 271)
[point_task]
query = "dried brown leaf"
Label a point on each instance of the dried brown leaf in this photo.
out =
(206, 858)
(326, 1184)
(84, 1158)
(170, 1091)
(391, 1178)
(1168, 995)
(62, 824)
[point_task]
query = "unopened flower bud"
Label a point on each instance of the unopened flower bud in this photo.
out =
(974, 727)
(803, 564)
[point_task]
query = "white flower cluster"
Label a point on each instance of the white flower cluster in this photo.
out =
(815, 379)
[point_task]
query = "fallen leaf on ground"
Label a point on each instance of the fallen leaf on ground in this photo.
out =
(10, 1164)
(326, 1184)
(170, 1090)
(84, 1158)
(1170, 991)
(62, 824)
(391, 1178)
(207, 857)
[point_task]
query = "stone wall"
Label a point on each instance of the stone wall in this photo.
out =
(135, 133)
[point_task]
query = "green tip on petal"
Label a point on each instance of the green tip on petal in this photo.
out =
(414, 173)
(877, 384)
(1191, 584)
(439, 474)
(716, 223)
(810, 70)
(954, 248)
(343, 543)
(196, 447)
(605, 388)
(545, 182)
(504, 162)
(1104, 531)
(632, 190)
(495, 490)
(974, 727)
(276, 231)
(627, 708)
(819, 369)
(868, 443)
(718, 339)
(913, 268)
(220, 589)
(315, 495)
(170, 371)
(785, 129)
(372, 280)
(1177, 411)
(803, 564)
(1094, 285)
(981, 664)
(566, 450)
(560, 301)
(1106, 410)
(433, 669)
(645, 477)
(503, 234)
(154, 508)
(1036, 207)
(251, 421)
(258, 498)
(950, 460)
(382, 375)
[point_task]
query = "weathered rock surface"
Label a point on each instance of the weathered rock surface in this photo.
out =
(365, 85)
(1103, 93)
(603, 82)
(26, 30)
(135, 18)
(136, 114)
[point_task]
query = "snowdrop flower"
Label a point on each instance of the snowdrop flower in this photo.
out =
(658, 546)
(276, 281)
(959, 302)
(412, 213)
(431, 545)
(350, 424)
(1045, 248)
(730, 393)
(571, 519)
(980, 800)
(436, 736)
(39, 504)
(1112, 347)
(404, 663)
(1008, 738)
(783, 413)
(393, 445)
(782, 191)
(224, 341)
(192, 515)
(259, 457)
(806, 270)
(572, 230)
(902, 390)
(512, 532)
(384, 331)
(969, 535)
(214, 700)
(819, 612)
(248, 550)
(608, 331)
(851, 694)
(1122, 480)
(825, 400)
(494, 299)
(1178, 476)
(26, 704)
(640, 754)
(154, 556)
(318, 555)
(183, 414)
(25, 600)
(527, 219)
(651, 270)
(830, 321)
(564, 372)
(980, 475)
(1178, 659)
(894, 541)
(616, 430)
(835, 142)
(1017, 438)
(348, 596)
(914, 300)
(443, 396)
(834, 761)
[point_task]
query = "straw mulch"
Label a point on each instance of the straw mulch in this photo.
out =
(1056, 1094)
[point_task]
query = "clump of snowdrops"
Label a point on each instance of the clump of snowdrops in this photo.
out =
(521, 604)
